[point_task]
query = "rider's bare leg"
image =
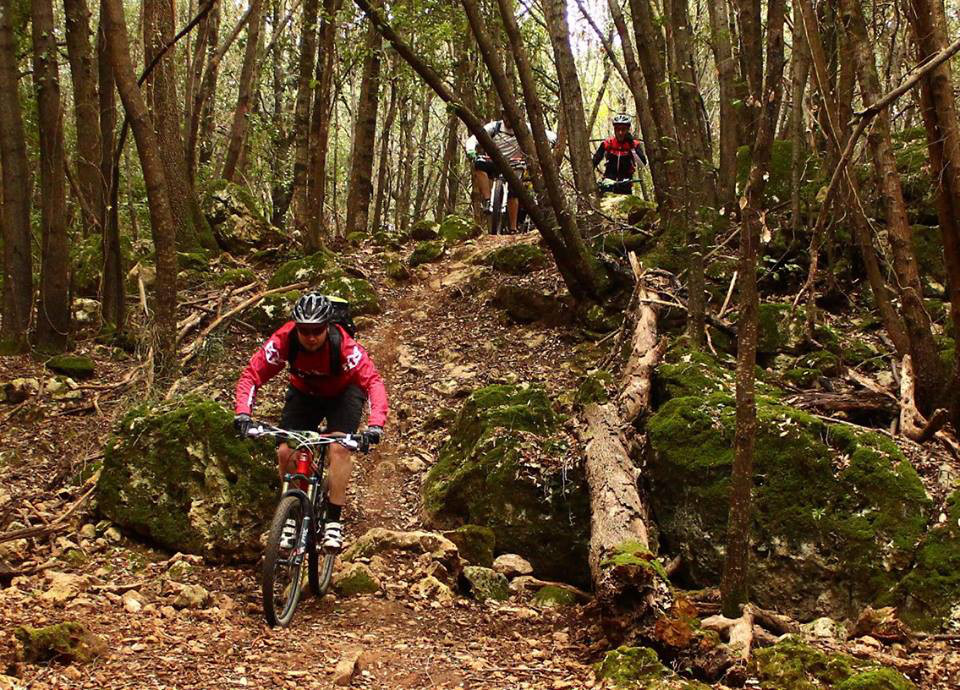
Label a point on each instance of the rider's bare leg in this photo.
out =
(513, 212)
(482, 180)
(341, 465)
(285, 456)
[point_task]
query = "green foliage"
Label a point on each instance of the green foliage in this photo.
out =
(779, 182)
(631, 667)
(427, 252)
(475, 543)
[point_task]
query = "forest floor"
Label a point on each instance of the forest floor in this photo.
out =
(437, 339)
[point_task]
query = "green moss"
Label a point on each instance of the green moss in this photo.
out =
(356, 238)
(490, 473)
(357, 579)
(517, 259)
(668, 251)
(193, 261)
(66, 642)
(456, 229)
(931, 589)
(594, 388)
(779, 181)
(74, 366)
(551, 595)
(424, 230)
(825, 363)
(397, 271)
(861, 352)
(177, 474)
(686, 372)
(878, 679)
(426, 252)
(272, 311)
(475, 543)
(632, 553)
(820, 533)
(358, 292)
(630, 667)
(801, 378)
(485, 583)
(794, 665)
(623, 242)
(310, 268)
(233, 276)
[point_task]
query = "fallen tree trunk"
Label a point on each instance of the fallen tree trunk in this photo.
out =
(626, 582)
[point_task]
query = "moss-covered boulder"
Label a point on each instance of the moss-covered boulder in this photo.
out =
(930, 593)
(549, 596)
(780, 181)
(236, 218)
(517, 259)
(324, 275)
(781, 329)
(355, 578)
(427, 252)
(176, 474)
(794, 665)
(424, 230)
(837, 512)
(74, 366)
(628, 207)
(632, 667)
(456, 229)
(396, 270)
(475, 543)
(65, 642)
(525, 305)
(310, 268)
(485, 583)
(499, 470)
(623, 242)
(272, 311)
(233, 277)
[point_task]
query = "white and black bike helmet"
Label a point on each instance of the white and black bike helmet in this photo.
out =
(313, 308)
(621, 119)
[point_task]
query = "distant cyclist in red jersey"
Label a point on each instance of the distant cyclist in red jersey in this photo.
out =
(622, 154)
(331, 377)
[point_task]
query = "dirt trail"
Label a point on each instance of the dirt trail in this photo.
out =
(438, 339)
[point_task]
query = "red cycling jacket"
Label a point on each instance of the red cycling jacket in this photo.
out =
(619, 157)
(310, 373)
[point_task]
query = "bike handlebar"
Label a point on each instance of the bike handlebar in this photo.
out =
(351, 442)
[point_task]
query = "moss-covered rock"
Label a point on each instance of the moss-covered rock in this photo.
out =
(494, 472)
(74, 366)
(837, 512)
(309, 268)
(272, 311)
(234, 277)
(486, 583)
(396, 270)
(355, 578)
(475, 543)
(801, 377)
(424, 230)
(781, 329)
(237, 220)
(456, 229)
(549, 596)
(356, 238)
(176, 474)
(631, 667)
(426, 252)
(623, 242)
(517, 259)
(930, 592)
(628, 207)
(928, 248)
(825, 363)
(325, 276)
(525, 305)
(794, 665)
(66, 642)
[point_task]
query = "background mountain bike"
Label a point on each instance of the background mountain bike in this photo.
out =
(499, 218)
(302, 500)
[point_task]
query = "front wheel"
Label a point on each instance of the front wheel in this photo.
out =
(282, 576)
(320, 571)
(496, 208)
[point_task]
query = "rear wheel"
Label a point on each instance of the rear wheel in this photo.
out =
(321, 562)
(282, 576)
(496, 207)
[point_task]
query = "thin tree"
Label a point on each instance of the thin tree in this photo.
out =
(383, 189)
(302, 108)
(161, 213)
(248, 71)
(15, 204)
(735, 582)
(53, 311)
(113, 295)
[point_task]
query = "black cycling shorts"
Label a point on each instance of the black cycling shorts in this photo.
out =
(303, 412)
(485, 165)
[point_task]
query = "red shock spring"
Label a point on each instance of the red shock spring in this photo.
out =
(303, 467)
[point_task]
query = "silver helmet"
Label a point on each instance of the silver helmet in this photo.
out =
(313, 307)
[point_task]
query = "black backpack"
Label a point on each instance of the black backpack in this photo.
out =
(342, 318)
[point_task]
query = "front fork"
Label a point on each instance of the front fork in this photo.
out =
(303, 482)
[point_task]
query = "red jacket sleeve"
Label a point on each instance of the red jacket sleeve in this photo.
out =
(266, 363)
(364, 372)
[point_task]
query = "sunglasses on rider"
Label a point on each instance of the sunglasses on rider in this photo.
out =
(312, 330)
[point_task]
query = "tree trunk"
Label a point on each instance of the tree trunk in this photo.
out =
(281, 138)
(729, 114)
(161, 213)
(113, 295)
(383, 189)
(200, 120)
(302, 109)
(86, 111)
(800, 72)
(401, 219)
(446, 168)
(734, 585)
(571, 100)
(193, 231)
(15, 203)
(320, 128)
(930, 376)
(940, 119)
(421, 183)
(53, 313)
(364, 134)
(248, 72)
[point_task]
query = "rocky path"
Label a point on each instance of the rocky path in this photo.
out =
(176, 623)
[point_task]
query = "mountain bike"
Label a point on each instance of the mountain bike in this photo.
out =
(303, 498)
(499, 197)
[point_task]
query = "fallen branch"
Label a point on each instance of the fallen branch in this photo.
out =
(194, 347)
(737, 631)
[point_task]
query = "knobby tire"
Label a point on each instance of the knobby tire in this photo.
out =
(496, 208)
(320, 570)
(295, 507)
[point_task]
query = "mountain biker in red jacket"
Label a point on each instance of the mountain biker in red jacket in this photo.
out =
(324, 384)
(622, 153)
